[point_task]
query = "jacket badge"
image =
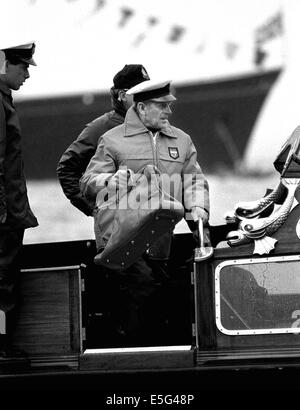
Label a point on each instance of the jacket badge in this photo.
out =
(173, 152)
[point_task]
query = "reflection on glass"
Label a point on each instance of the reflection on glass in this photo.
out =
(261, 295)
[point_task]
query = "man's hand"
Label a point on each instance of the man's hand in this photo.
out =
(199, 213)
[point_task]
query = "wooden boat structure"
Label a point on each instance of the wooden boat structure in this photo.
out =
(236, 307)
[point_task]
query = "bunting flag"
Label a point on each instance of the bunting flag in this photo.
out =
(260, 56)
(231, 49)
(99, 4)
(126, 14)
(200, 48)
(176, 34)
(271, 29)
(152, 21)
(139, 39)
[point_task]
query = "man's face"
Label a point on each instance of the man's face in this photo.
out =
(128, 100)
(155, 114)
(16, 75)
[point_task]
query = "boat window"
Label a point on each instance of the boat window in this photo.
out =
(258, 296)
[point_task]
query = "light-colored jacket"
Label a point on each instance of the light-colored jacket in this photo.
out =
(131, 145)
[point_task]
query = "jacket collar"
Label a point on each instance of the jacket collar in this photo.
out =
(133, 125)
(4, 88)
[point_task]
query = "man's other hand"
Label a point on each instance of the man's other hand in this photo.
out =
(199, 213)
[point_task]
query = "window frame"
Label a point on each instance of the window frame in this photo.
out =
(241, 262)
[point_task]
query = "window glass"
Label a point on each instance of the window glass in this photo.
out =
(258, 296)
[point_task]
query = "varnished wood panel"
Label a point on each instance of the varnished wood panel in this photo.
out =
(137, 360)
(49, 320)
(204, 304)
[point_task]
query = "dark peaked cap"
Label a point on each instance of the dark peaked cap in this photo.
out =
(129, 76)
(20, 53)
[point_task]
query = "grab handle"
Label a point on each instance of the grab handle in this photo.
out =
(203, 252)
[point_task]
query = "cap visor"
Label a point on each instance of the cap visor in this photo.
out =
(165, 98)
(31, 62)
(28, 61)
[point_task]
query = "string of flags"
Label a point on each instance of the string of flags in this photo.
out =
(126, 14)
(271, 29)
(177, 32)
(231, 48)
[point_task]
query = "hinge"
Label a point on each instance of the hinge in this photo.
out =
(83, 332)
(193, 329)
(192, 278)
(82, 285)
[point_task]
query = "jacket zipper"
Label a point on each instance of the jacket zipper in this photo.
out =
(154, 144)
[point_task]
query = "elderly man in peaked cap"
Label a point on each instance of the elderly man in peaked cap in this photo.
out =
(15, 212)
(145, 138)
(75, 159)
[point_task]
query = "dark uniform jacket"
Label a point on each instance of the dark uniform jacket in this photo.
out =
(13, 192)
(75, 159)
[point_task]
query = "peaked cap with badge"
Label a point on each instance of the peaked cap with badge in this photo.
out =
(152, 91)
(20, 53)
(129, 76)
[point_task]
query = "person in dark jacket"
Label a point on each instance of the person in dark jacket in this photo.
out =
(75, 159)
(15, 212)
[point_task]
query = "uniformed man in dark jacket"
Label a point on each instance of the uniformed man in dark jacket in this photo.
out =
(15, 212)
(74, 161)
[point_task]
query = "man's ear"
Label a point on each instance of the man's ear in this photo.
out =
(140, 107)
(121, 95)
